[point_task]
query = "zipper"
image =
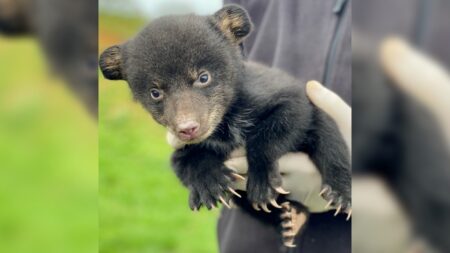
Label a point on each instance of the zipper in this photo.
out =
(423, 16)
(338, 10)
(339, 6)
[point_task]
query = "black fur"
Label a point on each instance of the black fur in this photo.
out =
(246, 104)
(271, 116)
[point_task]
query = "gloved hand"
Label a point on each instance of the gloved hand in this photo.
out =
(300, 176)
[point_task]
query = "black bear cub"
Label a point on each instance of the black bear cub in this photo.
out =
(188, 72)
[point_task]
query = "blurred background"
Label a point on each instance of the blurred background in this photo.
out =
(48, 150)
(48, 154)
(142, 205)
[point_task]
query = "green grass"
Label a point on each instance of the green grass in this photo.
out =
(48, 158)
(143, 207)
(68, 185)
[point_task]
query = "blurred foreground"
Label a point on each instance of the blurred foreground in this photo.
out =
(401, 122)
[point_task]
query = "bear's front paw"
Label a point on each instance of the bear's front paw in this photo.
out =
(263, 190)
(212, 187)
(340, 199)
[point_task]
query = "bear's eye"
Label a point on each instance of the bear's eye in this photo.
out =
(156, 94)
(203, 79)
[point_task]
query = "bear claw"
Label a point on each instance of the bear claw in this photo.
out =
(339, 201)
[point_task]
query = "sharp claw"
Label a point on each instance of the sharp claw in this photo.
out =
(286, 205)
(255, 206)
(232, 204)
(349, 215)
(264, 207)
(224, 202)
(290, 245)
(325, 189)
(285, 215)
(195, 209)
(237, 176)
(329, 204)
(234, 192)
(289, 233)
(281, 190)
(288, 224)
(338, 210)
(274, 203)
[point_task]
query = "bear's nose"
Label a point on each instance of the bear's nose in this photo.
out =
(188, 130)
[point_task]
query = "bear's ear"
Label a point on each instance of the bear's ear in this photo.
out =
(234, 22)
(111, 63)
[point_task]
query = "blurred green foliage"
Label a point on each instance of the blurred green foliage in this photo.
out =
(143, 207)
(48, 158)
(52, 197)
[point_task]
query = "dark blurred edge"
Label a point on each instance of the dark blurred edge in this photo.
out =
(68, 34)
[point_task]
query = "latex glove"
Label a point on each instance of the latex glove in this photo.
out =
(299, 175)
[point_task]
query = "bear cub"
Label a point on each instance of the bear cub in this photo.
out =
(189, 73)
